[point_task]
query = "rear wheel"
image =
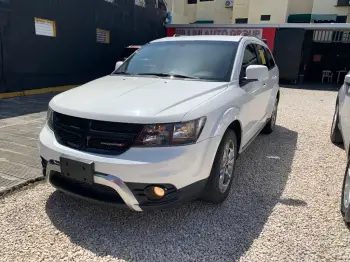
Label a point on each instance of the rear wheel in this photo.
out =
(270, 125)
(336, 136)
(221, 176)
(345, 198)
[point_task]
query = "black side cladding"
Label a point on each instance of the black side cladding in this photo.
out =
(73, 57)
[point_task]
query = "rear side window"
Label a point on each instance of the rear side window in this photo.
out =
(271, 62)
(249, 58)
(262, 55)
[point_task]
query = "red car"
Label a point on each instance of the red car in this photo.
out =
(128, 51)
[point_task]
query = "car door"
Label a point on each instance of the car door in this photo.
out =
(344, 114)
(251, 113)
(266, 101)
(275, 77)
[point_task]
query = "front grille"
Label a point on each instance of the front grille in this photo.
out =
(94, 136)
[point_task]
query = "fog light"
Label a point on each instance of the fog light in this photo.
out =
(158, 191)
(154, 192)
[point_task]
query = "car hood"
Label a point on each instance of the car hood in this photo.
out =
(135, 99)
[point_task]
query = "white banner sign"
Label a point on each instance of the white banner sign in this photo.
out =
(257, 32)
(45, 27)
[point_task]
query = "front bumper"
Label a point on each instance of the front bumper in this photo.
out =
(112, 190)
(120, 180)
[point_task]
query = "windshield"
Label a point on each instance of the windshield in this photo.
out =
(207, 60)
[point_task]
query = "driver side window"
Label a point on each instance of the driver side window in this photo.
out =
(249, 58)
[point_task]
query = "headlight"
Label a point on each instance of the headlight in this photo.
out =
(49, 118)
(175, 134)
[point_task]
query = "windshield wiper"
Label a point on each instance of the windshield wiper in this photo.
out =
(168, 75)
(124, 73)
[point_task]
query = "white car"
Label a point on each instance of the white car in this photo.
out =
(166, 126)
(340, 134)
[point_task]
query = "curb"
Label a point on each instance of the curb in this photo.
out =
(20, 186)
(37, 91)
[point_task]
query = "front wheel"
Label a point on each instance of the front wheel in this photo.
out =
(345, 198)
(221, 176)
(270, 125)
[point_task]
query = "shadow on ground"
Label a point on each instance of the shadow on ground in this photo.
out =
(193, 232)
(25, 105)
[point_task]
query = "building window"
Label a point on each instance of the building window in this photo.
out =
(341, 19)
(241, 20)
(265, 18)
(191, 2)
(205, 0)
(343, 3)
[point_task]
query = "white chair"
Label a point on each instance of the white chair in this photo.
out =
(327, 74)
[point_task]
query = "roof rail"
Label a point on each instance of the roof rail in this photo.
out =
(176, 35)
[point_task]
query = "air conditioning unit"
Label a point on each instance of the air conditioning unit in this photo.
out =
(228, 3)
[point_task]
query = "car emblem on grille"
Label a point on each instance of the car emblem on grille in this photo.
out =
(112, 144)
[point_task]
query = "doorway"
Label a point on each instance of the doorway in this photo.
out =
(326, 58)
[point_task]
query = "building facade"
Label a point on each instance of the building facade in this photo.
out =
(200, 11)
(331, 11)
(259, 11)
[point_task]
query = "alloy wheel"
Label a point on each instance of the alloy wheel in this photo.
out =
(227, 164)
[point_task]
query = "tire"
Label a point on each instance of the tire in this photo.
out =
(345, 196)
(271, 123)
(218, 186)
(336, 136)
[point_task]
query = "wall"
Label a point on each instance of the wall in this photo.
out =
(73, 57)
(191, 13)
(276, 8)
(214, 10)
(300, 6)
(240, 9)
(329, 7)
(180, 12)
(169, 5)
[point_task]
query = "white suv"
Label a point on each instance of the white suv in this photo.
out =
(166, 126)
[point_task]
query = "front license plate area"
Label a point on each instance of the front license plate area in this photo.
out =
(77, 169)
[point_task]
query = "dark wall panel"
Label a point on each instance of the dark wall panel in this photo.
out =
(73, 56)
(287, 52)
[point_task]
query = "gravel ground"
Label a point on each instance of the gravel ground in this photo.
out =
(284, 206)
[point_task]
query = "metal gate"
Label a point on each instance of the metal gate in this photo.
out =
(330, 36)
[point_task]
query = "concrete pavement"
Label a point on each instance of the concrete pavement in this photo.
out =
(21, 120)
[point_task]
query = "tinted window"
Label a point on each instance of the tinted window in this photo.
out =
(262, 55)
(209, 60)
(271, 62)
(249, 58)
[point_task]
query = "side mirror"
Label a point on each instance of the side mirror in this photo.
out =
(347, 79)
(257, 73)
(118, 64)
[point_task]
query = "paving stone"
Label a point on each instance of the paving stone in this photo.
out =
(21, 120)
